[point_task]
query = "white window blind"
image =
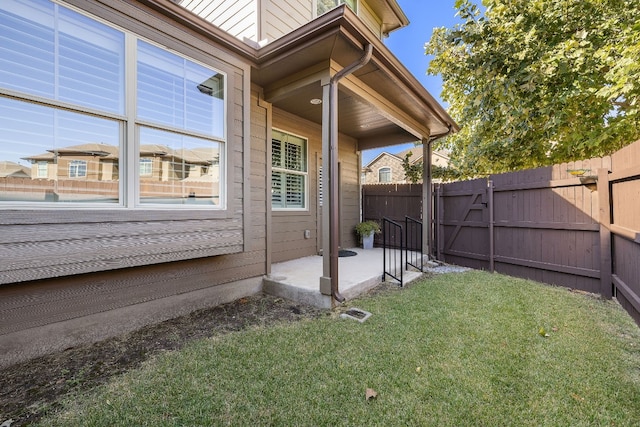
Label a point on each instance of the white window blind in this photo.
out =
(289, 171)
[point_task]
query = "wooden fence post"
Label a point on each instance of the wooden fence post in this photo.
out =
(440, 224)
(604, 215)
(492, 254)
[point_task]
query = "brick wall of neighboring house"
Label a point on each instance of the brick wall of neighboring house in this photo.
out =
(371, 171)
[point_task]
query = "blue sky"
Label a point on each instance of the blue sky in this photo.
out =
(408, 45)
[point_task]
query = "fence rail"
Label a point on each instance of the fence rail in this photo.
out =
(552, 224)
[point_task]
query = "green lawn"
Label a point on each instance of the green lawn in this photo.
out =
(459, 349)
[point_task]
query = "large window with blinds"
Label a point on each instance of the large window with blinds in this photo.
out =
(92, 114)
(289, 174)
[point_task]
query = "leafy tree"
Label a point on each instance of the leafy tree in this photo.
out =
(538, 82)
(414, 171)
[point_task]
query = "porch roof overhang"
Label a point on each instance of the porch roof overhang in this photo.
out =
(381, 104)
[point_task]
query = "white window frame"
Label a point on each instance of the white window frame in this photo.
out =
(385, 168)
(147, 162)
(76, 166)
(355, 7)
(42, 169)
(304, 174)
(129, 143)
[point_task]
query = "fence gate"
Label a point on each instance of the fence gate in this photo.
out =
(620, 228)
(462, 223)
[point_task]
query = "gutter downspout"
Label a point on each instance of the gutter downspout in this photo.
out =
(334, 227)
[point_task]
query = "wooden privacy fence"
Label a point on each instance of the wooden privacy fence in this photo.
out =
(550, 224)
(393, 201)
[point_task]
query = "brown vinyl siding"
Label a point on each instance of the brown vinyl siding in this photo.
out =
(349, 191)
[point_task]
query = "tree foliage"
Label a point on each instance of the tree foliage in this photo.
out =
(414, 171)
(538, 82)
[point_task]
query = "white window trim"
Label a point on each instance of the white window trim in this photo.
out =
(129, 146)
(305, 174)
(390, 174)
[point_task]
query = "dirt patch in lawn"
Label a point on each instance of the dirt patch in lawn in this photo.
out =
(30, 389)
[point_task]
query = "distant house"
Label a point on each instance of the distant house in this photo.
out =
(13, 170)
(179, 146)
(164, 173)
(386, 168)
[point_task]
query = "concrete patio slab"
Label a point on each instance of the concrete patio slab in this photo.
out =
(299, 279)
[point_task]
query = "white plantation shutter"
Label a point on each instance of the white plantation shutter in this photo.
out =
(295, 191)
(277, 190)
(289, 176)
(320, 187)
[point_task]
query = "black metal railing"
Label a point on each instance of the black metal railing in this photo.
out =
(413, 239)
(401, 248)
(392, 249)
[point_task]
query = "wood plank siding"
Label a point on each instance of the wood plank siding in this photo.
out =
(283, 16)
(370, 18)
(237, 17)
(289, 226)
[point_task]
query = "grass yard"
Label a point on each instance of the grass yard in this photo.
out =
(461, 349)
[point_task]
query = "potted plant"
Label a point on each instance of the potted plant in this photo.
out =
(366, 230)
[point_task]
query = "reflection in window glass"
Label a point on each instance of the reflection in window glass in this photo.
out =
(179, 93)
(51, 51)
(326, 5)
(42, 169)
(59, 148)
(62, 114)
(146, 167)
(77, 168)
(186, 170)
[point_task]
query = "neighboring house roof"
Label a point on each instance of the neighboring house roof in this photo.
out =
(12, 169)
(104, 151)
(416, 155)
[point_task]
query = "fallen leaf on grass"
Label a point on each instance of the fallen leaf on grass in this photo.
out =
(577, 397)
(371, 394)
(554, 329)
(543, 333)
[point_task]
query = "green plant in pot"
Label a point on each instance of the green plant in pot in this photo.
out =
(366, 230)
